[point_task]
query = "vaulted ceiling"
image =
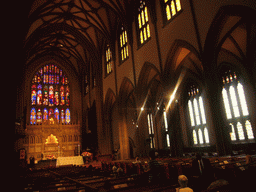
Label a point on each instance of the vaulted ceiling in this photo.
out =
(74, 30)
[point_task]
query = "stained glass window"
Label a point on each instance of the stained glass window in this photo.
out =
(57, 115)
(143, 23)
(124, 44)
(49, 90)
(236, 107)
(67, 116)
(62, 116)
(197, 116)
(33, 95)
(172, 7)
(33, 116)
(45, 115)
(39, 116)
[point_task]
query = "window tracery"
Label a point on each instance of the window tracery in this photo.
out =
(124, 44)
(197, 116)
(50, 94)
(236, 108)
(143, 23)
(172, 7)
(109, 62)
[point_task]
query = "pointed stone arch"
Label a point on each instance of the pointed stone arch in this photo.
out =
(180, 52)
(110, 99)
(149, 73)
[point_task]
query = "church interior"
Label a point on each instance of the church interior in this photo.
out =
(118, 79)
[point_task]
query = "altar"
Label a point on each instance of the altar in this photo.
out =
(74, 160)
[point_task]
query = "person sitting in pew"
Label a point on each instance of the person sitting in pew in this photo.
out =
(183, 181)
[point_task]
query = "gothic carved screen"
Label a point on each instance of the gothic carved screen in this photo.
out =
(50, 96)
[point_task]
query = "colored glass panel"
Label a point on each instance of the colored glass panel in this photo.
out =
(67, 116)
(45, 115)
(33, 116)
(67, 96)
(57, 115)
(62, 96)
(62, 116)
(39, 116)
(33, 95)
(39, 94)
(51, 96)
(51, 116)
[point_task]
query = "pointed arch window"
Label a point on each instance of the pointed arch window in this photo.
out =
(197, 117)
(236, 108)
(109, 62)
(143, 23)
(172, 7)
(49, 90)
(123, 45)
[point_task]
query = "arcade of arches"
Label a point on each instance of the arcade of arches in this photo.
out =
(126, 77)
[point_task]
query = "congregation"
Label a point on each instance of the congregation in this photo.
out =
(197, 173)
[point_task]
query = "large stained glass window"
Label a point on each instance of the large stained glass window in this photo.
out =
(236, 108)
(197, 116)
(50, 96)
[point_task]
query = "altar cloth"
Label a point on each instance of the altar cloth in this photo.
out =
(74, 160)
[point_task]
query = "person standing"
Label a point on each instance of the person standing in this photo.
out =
(202, 171)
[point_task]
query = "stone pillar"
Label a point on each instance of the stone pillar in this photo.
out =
(123, 138)
(216, 107)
